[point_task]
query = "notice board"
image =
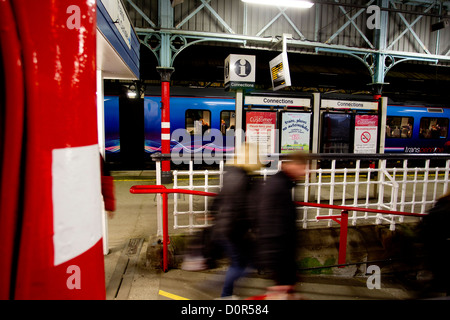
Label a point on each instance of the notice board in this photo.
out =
(260, 129)
(295, 131)
(366, 133)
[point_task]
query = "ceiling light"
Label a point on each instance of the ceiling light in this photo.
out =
(283, 3)
(132, 94)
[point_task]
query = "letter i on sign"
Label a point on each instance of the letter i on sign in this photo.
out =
(242, 67)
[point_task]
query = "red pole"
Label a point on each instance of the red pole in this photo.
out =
(343, 238)
(165, 73)
(165, 122)
(60, 254)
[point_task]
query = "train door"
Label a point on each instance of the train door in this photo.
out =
(131, 131)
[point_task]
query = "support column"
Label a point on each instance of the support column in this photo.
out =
(315, 142)
(239, 138)
(165, 70)
(59, 251)
(100, 113)
(380, 37)
(165, 73)
(383, 116)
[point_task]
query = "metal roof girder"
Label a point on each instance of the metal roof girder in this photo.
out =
(354, 24)
(377, 67)
(142, 14)
(409, 27)
(349, 20)
(270, 41)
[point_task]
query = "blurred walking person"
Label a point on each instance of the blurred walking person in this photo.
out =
(233, 223)
(435, 234)
(277, 227)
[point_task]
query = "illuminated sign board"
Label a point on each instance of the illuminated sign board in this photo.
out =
(240, 71)
(279, 71)
(277, 101)
(346, 104)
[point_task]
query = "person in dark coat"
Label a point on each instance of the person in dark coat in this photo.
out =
(232, 223)
(435, 233)
(276, 224)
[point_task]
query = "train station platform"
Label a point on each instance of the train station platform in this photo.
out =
(132, 275)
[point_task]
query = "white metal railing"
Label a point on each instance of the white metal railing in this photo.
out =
(190, 212)
(398, 188)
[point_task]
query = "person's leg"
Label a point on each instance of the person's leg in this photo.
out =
(235, 271)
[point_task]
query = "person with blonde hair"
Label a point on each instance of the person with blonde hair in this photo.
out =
(233, 223)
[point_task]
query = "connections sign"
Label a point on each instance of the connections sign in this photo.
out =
(277, 101)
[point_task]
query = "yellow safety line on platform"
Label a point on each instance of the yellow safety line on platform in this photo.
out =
(171, 295)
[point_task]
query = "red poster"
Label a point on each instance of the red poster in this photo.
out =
(260, 129)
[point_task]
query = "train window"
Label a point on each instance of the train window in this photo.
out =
(198, 121)
(433, 128)
(227, 121)
(399, 127)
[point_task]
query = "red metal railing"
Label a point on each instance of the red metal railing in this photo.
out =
(342, 219)
(145, 189)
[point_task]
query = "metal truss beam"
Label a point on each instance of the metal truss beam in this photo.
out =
(378, 64)
(167, 41)
(444, 4)
(352, 22)
(205, 4)
(410, 29)
(143, 15)
(270, 41)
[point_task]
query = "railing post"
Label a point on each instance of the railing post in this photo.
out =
(158, 200)
(343, 238)
(165, 230)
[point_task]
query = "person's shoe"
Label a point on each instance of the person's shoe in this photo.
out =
(232, 297)
(194, 264)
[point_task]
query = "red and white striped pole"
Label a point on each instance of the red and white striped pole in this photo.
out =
(165, 73)
(60, 252)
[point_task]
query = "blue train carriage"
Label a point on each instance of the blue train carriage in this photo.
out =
(190, 118)
(411, 129)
